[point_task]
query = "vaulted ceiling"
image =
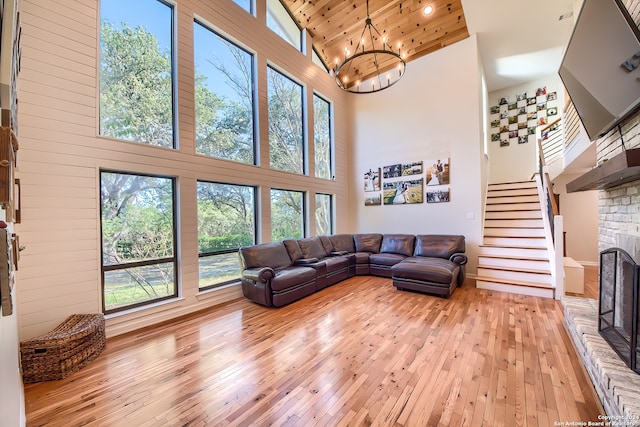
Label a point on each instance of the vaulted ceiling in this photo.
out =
(336, 25)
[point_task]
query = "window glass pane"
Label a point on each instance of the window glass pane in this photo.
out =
(316, 60)
(223, 98)
(280, 22)
(245, 4)
(137, 285)
(226, 221)
(286, 138)
(287, 215)
(138, 238)
(324, 217)
(136, 73)
(322, 137)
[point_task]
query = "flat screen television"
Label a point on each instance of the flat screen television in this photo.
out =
(601, 66)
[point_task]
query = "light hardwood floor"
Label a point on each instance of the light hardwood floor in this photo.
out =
(357, 353)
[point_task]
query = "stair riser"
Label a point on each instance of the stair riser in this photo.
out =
(513, 207)
(520, 252)
(515, 275)
(518, 223)
(514, 232)
(514, 192)
(513, 185)
(521, 290)
(515, 199)
(513, 215)
(536, 243)
(513, 263)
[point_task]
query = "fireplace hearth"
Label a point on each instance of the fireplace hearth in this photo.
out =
(618, 316)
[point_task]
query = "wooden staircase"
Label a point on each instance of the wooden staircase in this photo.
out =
(514, 256)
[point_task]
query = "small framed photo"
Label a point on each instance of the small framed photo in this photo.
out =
(438, 196)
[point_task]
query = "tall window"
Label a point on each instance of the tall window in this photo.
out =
(224, 97)
(322, 137)
(280, 22)
(245, 4)
(316, 60)
(226, 221)
(324, 214)
(286, 137)
(138, 239)
(287, 215)
(136, 71)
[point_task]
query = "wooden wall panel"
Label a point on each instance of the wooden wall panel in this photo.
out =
(61, 155)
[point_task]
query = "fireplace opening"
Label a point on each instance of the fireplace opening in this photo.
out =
(618, 317)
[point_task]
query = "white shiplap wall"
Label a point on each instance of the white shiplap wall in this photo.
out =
(61, 154)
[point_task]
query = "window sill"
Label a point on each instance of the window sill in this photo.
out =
(212, 293)
(164, 305)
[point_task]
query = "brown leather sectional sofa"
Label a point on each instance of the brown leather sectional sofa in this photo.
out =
(279, 273)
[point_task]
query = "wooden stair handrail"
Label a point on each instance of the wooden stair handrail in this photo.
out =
(547, 180)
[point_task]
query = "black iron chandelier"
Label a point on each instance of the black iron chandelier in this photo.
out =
(370, 69)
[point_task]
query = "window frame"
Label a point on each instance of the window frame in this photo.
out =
(254, 93)
(174, 81)
(227, 251)
(136, 264)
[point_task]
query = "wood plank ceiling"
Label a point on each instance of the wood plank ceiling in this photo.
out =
(336, 25)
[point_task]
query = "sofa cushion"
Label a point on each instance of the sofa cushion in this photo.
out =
(326, 243)
(293, 249)
(311, 247)
(343, 243)
(433, 270)
(291, 277)
(439, 246)
(272, 255)
(398, 244)
(362, 257)
(367, 242)
(385, 259)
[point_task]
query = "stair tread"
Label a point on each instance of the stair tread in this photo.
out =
(519, 202)
(519, 227)
(514, 257)
(515, 269)
(516, 237)
(514, 282)
(489, 245)
(502, 196)
(513, 182)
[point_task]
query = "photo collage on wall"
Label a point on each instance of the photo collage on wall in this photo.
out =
(403, 183)
(514, 121)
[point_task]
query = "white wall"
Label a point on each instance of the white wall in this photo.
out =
(580, 216)
(518, 162)
(432, 113)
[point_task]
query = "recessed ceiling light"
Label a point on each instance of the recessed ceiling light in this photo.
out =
(428, 10)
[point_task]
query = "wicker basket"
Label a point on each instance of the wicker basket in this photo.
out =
(70, 346)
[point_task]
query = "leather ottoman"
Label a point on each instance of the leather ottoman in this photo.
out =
(430, 275)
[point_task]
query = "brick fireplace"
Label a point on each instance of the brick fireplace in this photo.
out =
(618, 227)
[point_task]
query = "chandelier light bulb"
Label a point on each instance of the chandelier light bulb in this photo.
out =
(428, 10)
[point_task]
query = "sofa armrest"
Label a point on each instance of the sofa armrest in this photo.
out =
(260, 274)
(305, 261)
(458, 258)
